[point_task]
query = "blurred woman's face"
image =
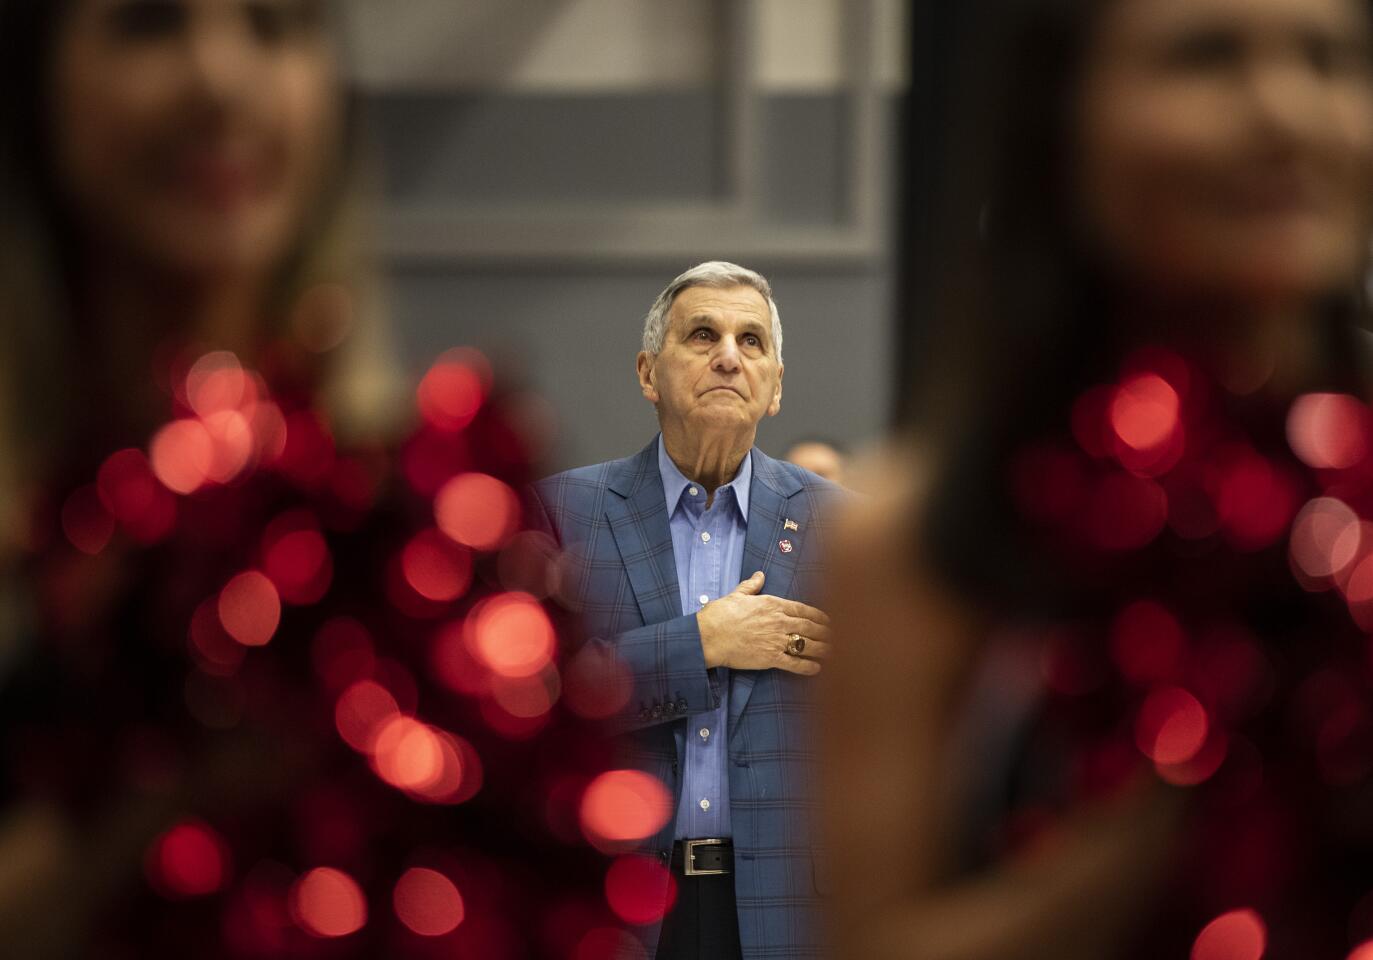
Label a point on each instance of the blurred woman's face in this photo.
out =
(1227, 145)
(193, 134)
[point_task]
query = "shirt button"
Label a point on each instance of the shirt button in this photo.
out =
(704, 599)
(693, 491)
(705, 733)
(705, 804)
(705, 537)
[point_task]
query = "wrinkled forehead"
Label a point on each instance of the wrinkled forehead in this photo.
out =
(740, 303)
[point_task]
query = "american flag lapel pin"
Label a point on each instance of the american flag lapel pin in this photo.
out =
(789, 524)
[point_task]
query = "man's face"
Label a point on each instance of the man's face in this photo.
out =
(718, 368)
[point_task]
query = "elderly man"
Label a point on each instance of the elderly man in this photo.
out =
(696, 562)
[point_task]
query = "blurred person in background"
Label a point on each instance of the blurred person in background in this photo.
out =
(820, 457)
(198, 455)
(1105, 688)
(695, 563)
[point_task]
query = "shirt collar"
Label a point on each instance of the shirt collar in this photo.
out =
(675, 483)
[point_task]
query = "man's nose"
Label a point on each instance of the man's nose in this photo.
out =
(726, 356)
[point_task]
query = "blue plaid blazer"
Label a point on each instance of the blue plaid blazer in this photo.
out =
(618, 573)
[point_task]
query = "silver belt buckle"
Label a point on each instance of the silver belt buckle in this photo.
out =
(690, 864)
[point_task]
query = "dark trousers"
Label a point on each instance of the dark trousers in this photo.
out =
(704, 922)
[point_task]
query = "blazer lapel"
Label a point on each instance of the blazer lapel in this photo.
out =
(771, 488)
(639, 523)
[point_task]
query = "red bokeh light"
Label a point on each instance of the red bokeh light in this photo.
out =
(360, 712)
(182, 454)
(1144, 411)
(511, 635)
(1236, 935)
(477, 511)
(1200, 767)
(407, 754)
(452, 782)
(526, 697)
(1147, 643)
(1125, 512)
(215, 651)
(1171, 726)
(639, 890)
(133, 496)
(256, 919)
(343, 653)
(1328, 431)
(436, 568)
(1254, 501)
(454, 664)
(85, 521)
(1358, 593)
(189, 860)
(507, 725)
(470, 775)
(428, 902)
(307, 452)
(1363, 951)
(451, 392)
(1326, 536)
(232, 444)
(250, 609)
(623, 806)
(216, 383)
(326, 902)
(296, 558)
(269, 432)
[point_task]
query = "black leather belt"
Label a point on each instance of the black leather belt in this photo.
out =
(703, 858)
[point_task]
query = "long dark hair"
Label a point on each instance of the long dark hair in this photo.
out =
(1022, 314)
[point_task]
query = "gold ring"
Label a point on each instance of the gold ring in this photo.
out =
(797, 644)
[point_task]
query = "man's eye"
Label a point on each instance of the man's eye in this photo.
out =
(702, 334)
(148, 19)
(752, 341)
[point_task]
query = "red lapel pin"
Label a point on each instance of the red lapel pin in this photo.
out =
(785, 545)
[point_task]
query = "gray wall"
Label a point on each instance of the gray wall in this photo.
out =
(572, 335)
(545, 175)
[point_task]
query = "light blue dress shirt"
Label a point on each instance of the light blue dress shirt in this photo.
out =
(708, 547)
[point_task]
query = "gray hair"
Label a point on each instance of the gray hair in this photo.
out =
(714, 273)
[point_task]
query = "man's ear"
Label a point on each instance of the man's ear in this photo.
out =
(775, 407)
(643, 363)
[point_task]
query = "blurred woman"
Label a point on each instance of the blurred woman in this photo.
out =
(177, 179)
(1090, 706)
